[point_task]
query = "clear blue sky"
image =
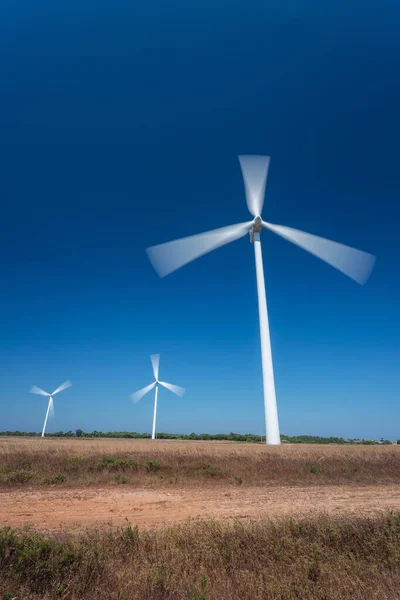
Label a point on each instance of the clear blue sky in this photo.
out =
(120, 126)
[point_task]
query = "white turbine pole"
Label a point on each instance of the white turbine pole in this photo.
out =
(170, 256)
(271, 411)
(47, 415)
(153, 434)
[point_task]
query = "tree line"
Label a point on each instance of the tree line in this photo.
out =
(232, 437)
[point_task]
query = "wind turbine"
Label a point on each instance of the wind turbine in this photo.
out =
(170, 256)
(179, 391)
(50, 407)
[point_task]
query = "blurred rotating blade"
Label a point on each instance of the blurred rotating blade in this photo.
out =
(353, 263)
(255, 173)
(170, 256)
(51, 407)
(140, 393)
(62, 387)
(179, 391)
(155, 361)
(35, 390)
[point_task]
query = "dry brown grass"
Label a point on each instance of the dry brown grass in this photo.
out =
(312, 559)
(26, 461)
(319, 558)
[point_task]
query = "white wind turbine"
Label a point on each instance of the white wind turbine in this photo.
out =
(179, 391)
(50, 407)
(170, 256)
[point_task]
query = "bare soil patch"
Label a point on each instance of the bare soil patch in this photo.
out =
(73, 509)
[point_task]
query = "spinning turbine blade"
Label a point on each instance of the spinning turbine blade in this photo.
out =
(155, 361)
(35, 390)
(179, 391)
(170, 256)
(62, 387)
(255, 173)
(140, 393)
(51, 407)
(353, 263)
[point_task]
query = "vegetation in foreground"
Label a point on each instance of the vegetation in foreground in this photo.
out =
(55, 462)
(316, 559)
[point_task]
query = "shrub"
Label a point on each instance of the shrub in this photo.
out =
(108, 462)
(195, 595)
(24, 466)
(111, 463)
(153, 465)
(131, 536)
(35, 559)
(208, 469)
(55, 480)
(120, 478)
(75, 461)
(17, 473)
(314, 469)
(344, 469)
(239, 480)
(19, 476)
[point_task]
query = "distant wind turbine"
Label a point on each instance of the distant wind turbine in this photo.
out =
(50, 407)
(170, 256)
(179, 391)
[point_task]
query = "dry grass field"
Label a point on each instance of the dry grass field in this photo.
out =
(83, 462)
(320, 558)
(178, 520)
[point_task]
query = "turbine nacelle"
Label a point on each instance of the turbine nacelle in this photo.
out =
(255, 227)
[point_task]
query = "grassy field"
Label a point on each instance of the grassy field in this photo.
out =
(315, 559)
(37, 462)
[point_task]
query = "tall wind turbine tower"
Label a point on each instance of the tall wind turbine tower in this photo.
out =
(50, 407)
(170, 256)
(179, 391)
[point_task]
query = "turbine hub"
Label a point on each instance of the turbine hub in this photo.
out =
(256, 227)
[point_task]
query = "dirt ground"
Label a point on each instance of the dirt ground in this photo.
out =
(154, 504)
(76, 508)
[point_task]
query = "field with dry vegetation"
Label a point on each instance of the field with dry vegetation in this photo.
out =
(83, 462)
(178, 520)
(319, 558)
